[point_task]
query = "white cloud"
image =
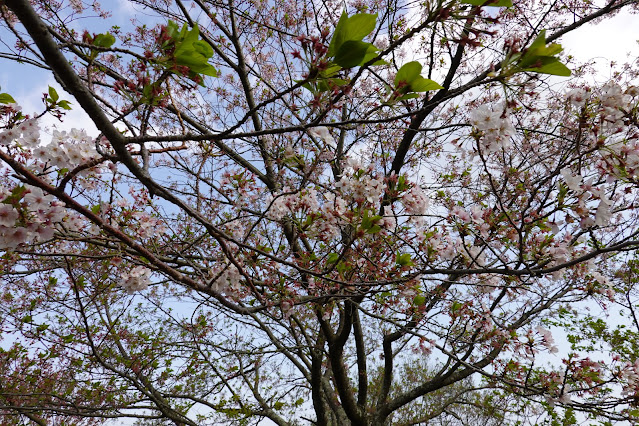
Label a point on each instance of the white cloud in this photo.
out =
(610, 40)
(31, 102)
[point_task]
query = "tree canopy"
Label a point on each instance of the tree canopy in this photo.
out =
(318, 212)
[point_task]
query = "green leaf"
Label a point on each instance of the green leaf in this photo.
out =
(203, 48)
(552, 68)
(339, 81)
(419, 300)
(65, 105)
(374, 229)
(354, 28)
(409, 79)
(6, 98)
(104, 40)
(422, 84)
(16, 194)
(404, 260)
(172, 29)
(53, 94)
(408, 96)
(494, 3)
(408, 72)
(332, 258)
(538, 47)
(353, 53)
(541, 58)
(194, 53)
(331, 70)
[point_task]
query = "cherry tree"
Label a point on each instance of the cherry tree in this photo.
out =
(331, 213)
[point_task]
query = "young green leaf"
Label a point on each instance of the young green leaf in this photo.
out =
(194, 53)
(404, 260)
(422, 84)
(203, 48)
(551, 67)
(409, 79)
(65, 105)
(354, 28)
(6, 98)
(53, 94)
(542, 58)
(408, 72)
(104, 40)
(354, 53)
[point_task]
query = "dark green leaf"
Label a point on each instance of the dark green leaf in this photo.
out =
(374, 229)
(408, 96)
(541, 58)
(353, 53)
(331, 70)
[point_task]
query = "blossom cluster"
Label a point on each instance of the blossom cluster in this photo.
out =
(148, 225)
(67, 149)
(25, 134)
(547, 339)
(495, 125)
(415, 201)
(324, 134)
(630, 375)
(585, 192)
(226, 278)
(137, 279)
(31, 218)
(333, 211)
(361, 187)
(290, 202)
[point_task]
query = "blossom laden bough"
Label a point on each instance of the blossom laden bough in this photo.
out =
(328, 215)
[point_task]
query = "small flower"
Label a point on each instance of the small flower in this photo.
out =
(324, 134)
(603, 215)
(572, 181)
(8, 215)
